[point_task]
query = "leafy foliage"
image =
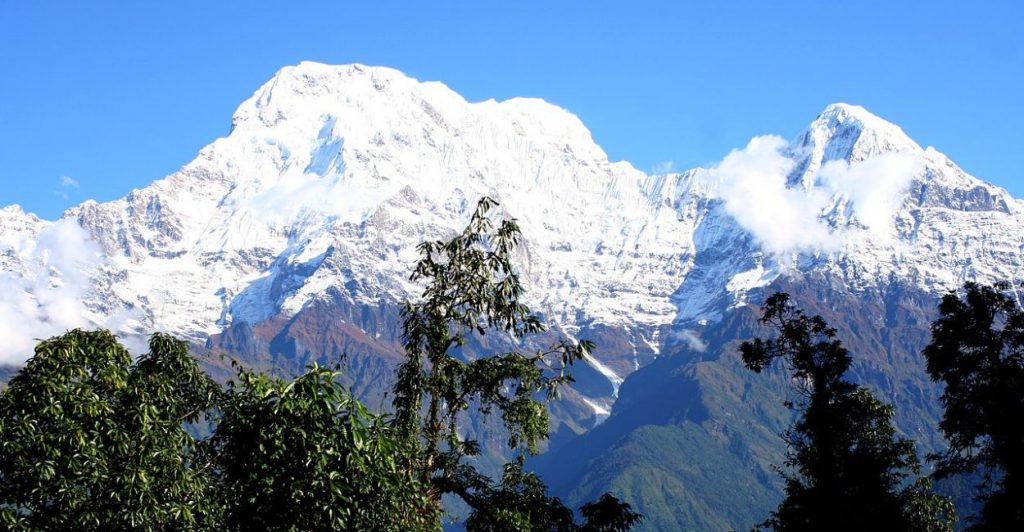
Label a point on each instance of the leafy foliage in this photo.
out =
(608, 514)
(977, 351)
(306, 455)
(89, 441)
(471, 289)
(849, 469)
(520, 502)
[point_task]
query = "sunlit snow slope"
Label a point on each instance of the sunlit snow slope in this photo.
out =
(331, 175)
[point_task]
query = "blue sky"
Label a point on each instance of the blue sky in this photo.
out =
(97, 98)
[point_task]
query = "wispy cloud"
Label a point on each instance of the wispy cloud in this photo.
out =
(664, 167)
(65, 185)
(753, 187)
(874, 187)
(689, 338)
(48, 302)
(752, 182)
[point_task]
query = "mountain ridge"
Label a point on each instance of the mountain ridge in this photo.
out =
(331, 175)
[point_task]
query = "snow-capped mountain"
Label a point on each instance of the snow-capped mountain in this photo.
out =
(331, 175)
(329, 178)
(851, 197)
(291, 239)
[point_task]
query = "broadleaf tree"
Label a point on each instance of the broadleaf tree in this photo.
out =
(307, 455)
(91, 441)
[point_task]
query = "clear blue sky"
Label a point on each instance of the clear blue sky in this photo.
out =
(115, 95)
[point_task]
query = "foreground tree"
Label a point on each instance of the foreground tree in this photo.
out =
(90, 441)
(520, 502)
(472, 290)
(977, 352)
(306, 455)
(849, 469)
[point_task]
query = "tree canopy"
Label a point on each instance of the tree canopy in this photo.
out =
(520, 502)
(91, 441)
(977, 352)
(848, 470)
(306, 455)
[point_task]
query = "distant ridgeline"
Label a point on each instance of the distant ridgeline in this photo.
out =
(290, 240)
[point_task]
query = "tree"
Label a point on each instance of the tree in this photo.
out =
(977, 352)
(90, 441)
(472, 290)
(849, 469)
(306, 455)
(520, 502)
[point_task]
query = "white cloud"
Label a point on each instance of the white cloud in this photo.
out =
(664, 167)
(64, 184)
(875, 187)
(49, 302)
(752, 183)
(690, 338)
(68, 182)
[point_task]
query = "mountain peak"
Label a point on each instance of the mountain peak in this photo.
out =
(842, 110)
(14, 209)
(375, 97)
(853, 124)
(852, 133)
(312, 70)
(297, 89)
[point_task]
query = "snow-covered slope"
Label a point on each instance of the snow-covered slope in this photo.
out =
(331, 174)
(330, 177)
(851, 198)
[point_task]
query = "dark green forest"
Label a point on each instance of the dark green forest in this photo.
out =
(94, 439)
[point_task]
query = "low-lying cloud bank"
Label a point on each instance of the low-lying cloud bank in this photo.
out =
(752, 183)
